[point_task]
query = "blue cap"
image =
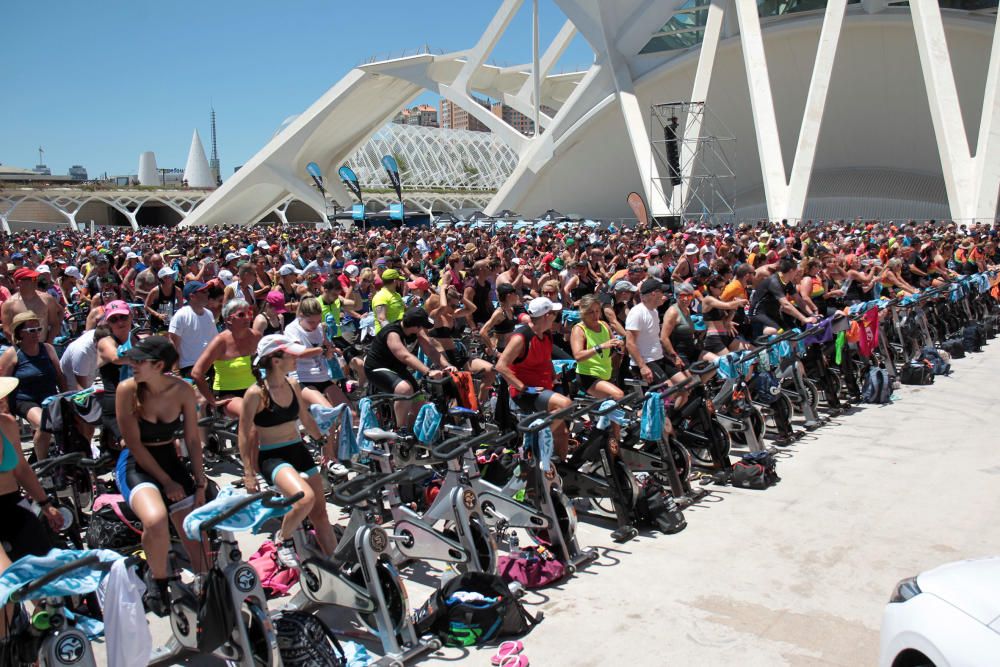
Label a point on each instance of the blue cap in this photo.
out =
(17, 255)
(192, 287)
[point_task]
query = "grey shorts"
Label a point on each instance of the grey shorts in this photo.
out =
(529, 403)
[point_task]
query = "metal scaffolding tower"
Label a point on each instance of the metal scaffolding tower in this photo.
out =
(214, 162)
(689, 151)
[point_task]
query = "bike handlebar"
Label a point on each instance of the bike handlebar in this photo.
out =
(365, 486)
(50, 576)
(267, 499)
(525, 425)
(454, 447)
(75, 459)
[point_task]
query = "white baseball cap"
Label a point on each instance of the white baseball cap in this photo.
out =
(166, 272)
(542, 306)
(263, 245)
(268, 345)
(231, 256)
(131, 255)
(43, 268)
(287, 270)
(73, 272)
(691, 249)
(515, 260)
(352, 270)
(226, 277)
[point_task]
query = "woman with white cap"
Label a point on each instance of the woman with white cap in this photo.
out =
(163, 300)
(36, 366)
(270, 444)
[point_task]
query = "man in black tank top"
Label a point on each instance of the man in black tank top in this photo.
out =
(479, 291)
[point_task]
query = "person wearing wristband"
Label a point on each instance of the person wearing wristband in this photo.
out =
(390, 360)
(21, 533)
(153, 407)
(593, 346)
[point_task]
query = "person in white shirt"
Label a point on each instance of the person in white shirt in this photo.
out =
(313, 367)
(79, 361)
(642, 336)
(192, 327)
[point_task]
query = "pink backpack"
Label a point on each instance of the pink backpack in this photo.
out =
(532, 567)
(275, 579)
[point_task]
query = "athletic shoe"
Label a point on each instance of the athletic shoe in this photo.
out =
(286, 554)
(336, 469)
(157, 596)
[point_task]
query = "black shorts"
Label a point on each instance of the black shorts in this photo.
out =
(21, 407)
(21, 532)
(662, 370)
(131, 477)
(229, 393)
(718, 344)
(457, 357)
(293, 454)
(385, 379)
(760, 322)
(585, 382)
(321, 387)
(531, 402)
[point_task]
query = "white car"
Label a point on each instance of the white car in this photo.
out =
(945, 617)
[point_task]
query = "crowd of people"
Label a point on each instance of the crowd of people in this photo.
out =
(247, 322)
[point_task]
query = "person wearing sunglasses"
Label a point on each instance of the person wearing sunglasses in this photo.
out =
(229, 356)
(36, 367)
(112, 333)
(27, 298)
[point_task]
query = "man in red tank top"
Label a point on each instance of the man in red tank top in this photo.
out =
(526, 365)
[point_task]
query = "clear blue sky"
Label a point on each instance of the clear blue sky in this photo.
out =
(97, 83)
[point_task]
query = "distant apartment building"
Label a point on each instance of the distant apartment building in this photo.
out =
(455, 117)
(423, 115)
(516, 119)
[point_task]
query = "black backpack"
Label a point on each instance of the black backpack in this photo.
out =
(654, 508)
(938, 365)
(916, 372)
(954, 347)
(496, 615)
(877, 387)
(756, 470)
(306, 641)
(972, 338)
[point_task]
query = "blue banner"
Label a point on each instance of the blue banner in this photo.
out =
(396, 212)
(358, 212)
(350, 179)
(392, 169)
(317, 175)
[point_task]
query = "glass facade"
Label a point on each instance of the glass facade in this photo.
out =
(686, 27)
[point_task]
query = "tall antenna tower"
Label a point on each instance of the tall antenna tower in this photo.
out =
(214, 162)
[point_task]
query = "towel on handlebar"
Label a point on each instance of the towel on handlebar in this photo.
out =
(427, 423)
(347, 439)
(824, 336)
(250, 518)
(617, 416)
(366, 419)
(542, 444)
(562, 365)
(729, 366)
(651, 426)
(78, 582)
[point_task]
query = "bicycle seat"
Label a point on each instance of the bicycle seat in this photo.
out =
(459, 411)
(380, 434)
(702, 367)
(635, 382)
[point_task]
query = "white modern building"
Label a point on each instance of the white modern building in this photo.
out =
(838, 108)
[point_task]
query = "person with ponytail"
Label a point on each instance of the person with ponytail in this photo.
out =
(270, 444)
(153, 407)
(228, 354)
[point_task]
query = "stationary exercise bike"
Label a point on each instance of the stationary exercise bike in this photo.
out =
(251, 641)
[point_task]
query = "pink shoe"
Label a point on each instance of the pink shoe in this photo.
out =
(508, 649)
(515, 660)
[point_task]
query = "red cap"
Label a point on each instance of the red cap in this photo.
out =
(25, 274)
(419, 283)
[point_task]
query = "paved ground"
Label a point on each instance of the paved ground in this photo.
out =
(798, 574)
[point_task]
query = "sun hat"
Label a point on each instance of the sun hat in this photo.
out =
(691, 249)
(21, 318)
(274, 343)
(7, 385)
(542, 306)
(277, 300)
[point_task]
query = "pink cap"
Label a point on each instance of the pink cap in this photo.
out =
(116, 307)
(277, 299)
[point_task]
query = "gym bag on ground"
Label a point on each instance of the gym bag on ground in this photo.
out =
(756, 470)
(955, 347)
(877, 387)
(306, 641)
(113, 525)
(916, 372)
(473, 609)
(655, 508)
(938, 364)
(972, 338)
(531, 567)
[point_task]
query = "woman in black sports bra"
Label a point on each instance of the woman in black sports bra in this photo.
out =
(504, 318)
(449, 310)
(718, 316)
(270, 443)
(152, 406)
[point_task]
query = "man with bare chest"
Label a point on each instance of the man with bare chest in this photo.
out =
(28, 298)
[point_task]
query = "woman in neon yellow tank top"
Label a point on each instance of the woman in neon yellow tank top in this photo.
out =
(229, 354)
(593, 347)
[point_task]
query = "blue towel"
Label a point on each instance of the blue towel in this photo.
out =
(617, 416)
(542, 443)
(651, 426)
(78, 582)
(366, 420)
(728, 365)
(347, 439)
(355, 654)
(427, 423)
(571, 316)
(250, 518)
(563, 365)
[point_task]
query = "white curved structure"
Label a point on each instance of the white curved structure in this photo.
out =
(197, 173)
(905, 94)
(148, 173)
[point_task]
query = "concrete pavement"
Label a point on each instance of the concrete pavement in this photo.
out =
(797, 574)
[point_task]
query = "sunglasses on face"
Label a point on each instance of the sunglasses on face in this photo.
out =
(32, 330)
(242, 315)
(115, 319)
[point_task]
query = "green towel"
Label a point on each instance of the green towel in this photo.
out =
(841, 341)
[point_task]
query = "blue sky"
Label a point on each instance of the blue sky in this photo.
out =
(97, 83)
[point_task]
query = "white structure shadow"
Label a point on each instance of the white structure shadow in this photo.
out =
(856, 85)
